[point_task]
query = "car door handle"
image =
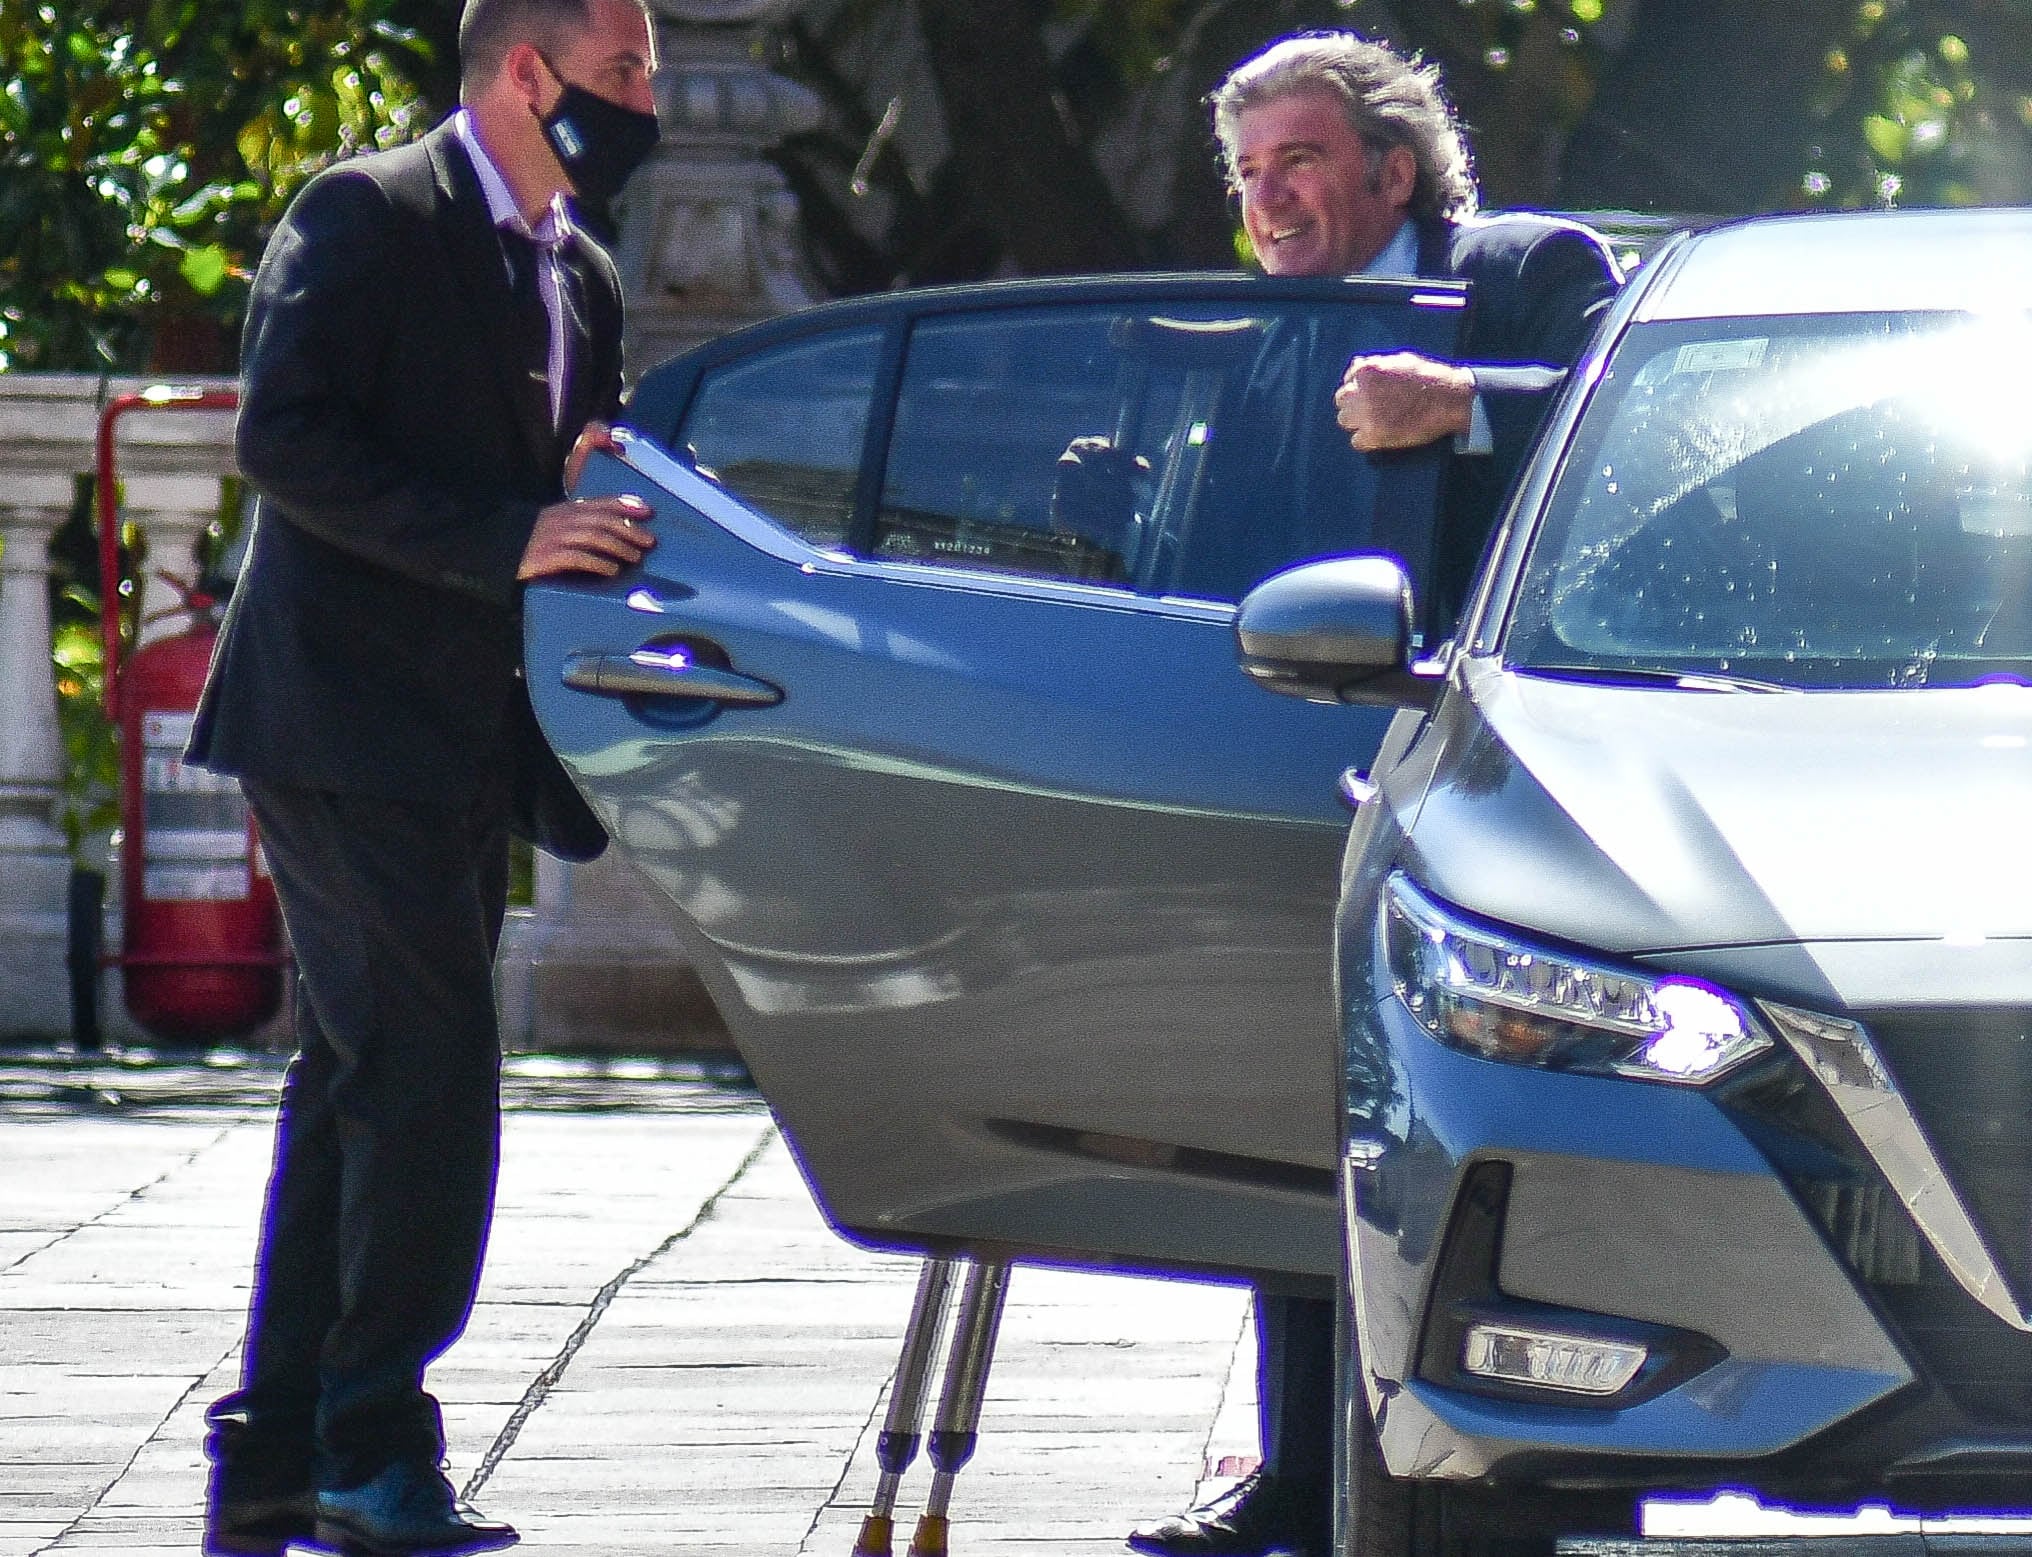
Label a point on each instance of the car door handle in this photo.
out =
(1356, 789)
(665, 673)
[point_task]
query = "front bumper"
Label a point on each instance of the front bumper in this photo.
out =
(1637, 1202)
(1805, 1325)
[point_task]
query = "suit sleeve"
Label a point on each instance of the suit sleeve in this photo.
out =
(1563, 286)
(311, 437)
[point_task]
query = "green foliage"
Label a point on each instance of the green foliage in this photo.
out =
(147, 145)
(1926, 102)
(91, 793)
(1139, 38)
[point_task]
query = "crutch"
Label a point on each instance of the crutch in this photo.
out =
(897, 1444)
(955, 1432)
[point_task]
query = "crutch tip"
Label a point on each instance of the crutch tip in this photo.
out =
(876, 1531)
(929, 1539)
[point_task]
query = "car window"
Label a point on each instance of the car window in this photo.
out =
(783, 430)
(1821, 502)
(1187, 451)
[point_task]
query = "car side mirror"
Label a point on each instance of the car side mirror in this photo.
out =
(1337, 631)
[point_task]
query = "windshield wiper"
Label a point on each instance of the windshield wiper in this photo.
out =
(1647, 676)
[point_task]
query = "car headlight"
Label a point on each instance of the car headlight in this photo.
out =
(1478, 990)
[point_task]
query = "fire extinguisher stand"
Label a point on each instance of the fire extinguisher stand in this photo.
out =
(201, 952)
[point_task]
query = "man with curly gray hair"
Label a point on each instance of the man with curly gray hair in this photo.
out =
(1389, 101)
(1347, 161)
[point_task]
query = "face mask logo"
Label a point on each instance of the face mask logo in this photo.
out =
(598, 142)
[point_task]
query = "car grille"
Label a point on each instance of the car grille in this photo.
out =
(1984, 1365)
(1967, 1077)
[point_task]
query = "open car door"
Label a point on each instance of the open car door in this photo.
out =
(924, 713)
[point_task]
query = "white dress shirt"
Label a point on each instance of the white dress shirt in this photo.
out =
(546, 235)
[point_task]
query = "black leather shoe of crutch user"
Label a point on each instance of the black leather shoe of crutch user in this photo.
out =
(405, 1509)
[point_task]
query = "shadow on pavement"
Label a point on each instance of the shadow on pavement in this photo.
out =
(59, 1079)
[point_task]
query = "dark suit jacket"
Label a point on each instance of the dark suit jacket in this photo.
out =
(1539, 286)
(1282, 478)
(401, 446)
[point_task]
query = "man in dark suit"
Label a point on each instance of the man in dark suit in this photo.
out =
(431, 349)
(1347, 161)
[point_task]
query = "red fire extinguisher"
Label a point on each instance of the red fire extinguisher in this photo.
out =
(202, 951)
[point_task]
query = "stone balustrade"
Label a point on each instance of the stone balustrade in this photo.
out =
(173, 461)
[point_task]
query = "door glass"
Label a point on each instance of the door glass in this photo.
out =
(783, 430)
(1184, 450)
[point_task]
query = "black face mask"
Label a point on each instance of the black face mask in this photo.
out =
(599, 143)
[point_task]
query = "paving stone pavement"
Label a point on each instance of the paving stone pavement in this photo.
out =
(671, 1350)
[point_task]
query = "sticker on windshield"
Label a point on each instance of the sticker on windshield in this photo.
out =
(1720, 356)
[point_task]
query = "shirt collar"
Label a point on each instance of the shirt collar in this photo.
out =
(1399, 257)
(501, 208)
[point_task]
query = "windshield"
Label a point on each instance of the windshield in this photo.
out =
(1826, 501)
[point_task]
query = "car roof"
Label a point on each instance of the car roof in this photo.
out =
(1850, 262)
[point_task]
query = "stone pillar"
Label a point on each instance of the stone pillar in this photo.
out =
(708, 228)
(172, 512)
(35, 865)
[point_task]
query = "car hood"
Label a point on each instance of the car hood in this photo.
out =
(1641, 819)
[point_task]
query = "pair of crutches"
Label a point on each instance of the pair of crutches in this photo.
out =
(955, 1430)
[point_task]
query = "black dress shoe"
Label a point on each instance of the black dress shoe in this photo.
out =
(1260, 1514)
(406, 1508)
(258, 1524)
